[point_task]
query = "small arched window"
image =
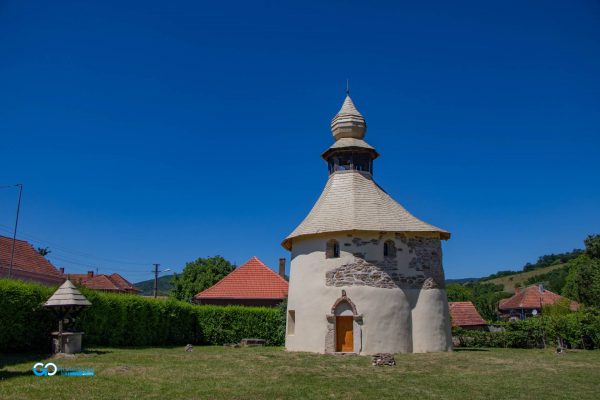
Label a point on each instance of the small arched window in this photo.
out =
(389, 248)
(333, 249)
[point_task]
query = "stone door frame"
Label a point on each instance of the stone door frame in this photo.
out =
(330, 337)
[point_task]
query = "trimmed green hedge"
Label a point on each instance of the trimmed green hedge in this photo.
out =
(127, 320)
(577, 330)
(22, 319)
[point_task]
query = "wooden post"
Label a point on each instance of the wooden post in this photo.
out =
(60, 332)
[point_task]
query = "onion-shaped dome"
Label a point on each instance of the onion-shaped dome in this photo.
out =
(348, 122)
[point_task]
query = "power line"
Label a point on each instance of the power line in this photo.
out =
(63, 249)
(93, 265)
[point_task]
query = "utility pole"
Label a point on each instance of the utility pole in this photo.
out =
(12, 253)
(156, 272)
(156, 279)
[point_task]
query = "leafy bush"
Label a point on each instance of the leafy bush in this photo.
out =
(128, 320)
(576, 330)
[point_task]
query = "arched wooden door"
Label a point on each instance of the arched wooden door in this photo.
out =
(344, 333)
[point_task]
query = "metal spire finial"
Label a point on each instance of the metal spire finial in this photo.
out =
(347, 86)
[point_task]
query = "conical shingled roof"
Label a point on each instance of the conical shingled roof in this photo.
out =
(352, 201)
(348, 108)
(67, 295)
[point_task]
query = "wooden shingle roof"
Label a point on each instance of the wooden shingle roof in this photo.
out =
(67, 295)
(352, 201)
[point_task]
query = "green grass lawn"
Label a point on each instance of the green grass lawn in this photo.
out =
(272, 373)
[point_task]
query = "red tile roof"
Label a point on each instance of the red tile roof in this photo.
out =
(533, 297)
(253, 280)
(464, 313)
(28, 264)
(112, 283)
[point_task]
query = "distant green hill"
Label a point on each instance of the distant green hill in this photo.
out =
(461, 280)
(521, 279)
(550, 270)
(164, 286)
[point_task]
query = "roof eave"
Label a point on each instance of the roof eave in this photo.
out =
(330, 150)
(287, 242)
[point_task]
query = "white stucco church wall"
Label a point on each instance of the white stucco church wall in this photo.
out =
(366, 276)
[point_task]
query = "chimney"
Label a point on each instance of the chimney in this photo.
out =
(62, 270)
(90, 274)
(282, 267)
(517, 289)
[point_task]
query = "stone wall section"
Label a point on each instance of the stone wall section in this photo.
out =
(421, 268)
(330, 335)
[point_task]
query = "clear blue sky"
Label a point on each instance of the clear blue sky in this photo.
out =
(163, 131)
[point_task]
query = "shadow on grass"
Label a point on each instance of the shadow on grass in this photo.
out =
(93, 348)
(16, 358)
(13, 359)
(14, 374)
(95, 352)
(470, 349)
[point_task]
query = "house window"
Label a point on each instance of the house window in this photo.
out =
(291, 322)
(389, 248)
(333, 249)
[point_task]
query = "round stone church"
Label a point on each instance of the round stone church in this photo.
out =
(366, 276)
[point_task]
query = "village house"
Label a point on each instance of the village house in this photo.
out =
(252, 284)
(529, 302)
(465, 315)
(107, 283)
(27, 264)
(366, 276)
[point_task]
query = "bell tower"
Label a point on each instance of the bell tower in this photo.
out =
(350, 151)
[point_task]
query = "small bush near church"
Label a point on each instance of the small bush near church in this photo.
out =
(576, 330)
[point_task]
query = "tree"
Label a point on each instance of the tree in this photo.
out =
(458, 292)
(553, 280)
(592, 246)
(43, 251)
(583, 282)
(199, 275)
(485, 296)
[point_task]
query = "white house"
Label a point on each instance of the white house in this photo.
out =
(366, 275)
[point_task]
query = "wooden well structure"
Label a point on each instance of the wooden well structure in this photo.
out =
(66, 303)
